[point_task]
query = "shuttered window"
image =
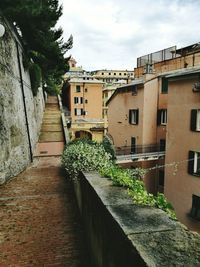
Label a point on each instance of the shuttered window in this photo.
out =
(134, 116)
(78, 112)
(194, 163)
(162, 117)
(195, 120)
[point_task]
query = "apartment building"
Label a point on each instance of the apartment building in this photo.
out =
(144, 125)
(182, 176)
(135, 130)
(111, 76)
(83, 95)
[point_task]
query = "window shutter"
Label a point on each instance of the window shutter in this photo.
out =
(137, 116)
(130, 116)
(193, 121)
(81, 100)
(164, 86)
(75, 112)
(191, 162)
(74, 100)
(159, 116)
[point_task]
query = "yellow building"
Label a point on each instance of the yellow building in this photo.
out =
(84, 94)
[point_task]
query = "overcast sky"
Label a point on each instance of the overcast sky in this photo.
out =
(111, 34)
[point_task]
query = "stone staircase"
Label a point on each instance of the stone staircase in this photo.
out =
(51, 141)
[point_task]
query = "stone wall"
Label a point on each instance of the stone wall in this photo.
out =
(120, 233)
(15, 151)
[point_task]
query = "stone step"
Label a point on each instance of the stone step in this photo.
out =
(51, 137)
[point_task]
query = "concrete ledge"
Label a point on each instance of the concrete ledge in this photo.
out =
(120, 233)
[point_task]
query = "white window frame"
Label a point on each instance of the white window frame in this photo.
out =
(134, 116)
(196, 156)
(163, 117)
(198, 120)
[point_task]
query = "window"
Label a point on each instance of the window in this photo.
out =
(102, 73)
(124, 74)
(114, 73)
(195, 120)
(86, 101)
(120, 74)
(133, 145)
(133, 116)
(78, 88)
(162, 117)
(86, 90)
(194, 163)
(162, 144)
(78, 100)
(195, 211)
(164, 87)
(78, 111)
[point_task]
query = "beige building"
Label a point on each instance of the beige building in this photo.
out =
(84, 103)
(145, 123)
(111, 76)
(182, 176)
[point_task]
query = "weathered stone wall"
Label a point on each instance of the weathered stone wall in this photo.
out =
(14, 144)
(120, 233)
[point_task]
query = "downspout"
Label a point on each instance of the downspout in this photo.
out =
(24, 102)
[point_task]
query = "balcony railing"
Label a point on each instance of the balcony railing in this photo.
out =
(140, 152)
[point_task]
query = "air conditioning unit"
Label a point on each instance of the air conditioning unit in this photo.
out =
(148, 68)
(196, 87)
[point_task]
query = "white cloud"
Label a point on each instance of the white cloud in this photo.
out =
(113, 33)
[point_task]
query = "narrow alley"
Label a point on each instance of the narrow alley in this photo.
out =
(40, 224)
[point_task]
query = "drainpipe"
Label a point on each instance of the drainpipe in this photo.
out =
(24, 102)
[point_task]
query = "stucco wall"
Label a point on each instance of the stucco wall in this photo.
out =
(14, 145)
(179, 185)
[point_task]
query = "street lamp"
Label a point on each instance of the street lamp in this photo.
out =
(2, 30)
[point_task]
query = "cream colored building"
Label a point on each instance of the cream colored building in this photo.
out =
(111, 76)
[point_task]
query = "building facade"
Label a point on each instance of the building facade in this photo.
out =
(111, 76)
(147, 120)
(84, 106)
(182, 176)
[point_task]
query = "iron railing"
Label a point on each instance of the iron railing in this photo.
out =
(139, 149)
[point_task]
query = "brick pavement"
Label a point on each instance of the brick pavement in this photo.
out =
(40, 225)
(39, 220)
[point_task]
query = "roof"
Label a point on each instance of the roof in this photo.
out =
(125, 88)
(183, 72)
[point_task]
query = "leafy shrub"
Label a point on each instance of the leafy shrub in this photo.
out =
(87, 155)
(83, 155)
(108, 146)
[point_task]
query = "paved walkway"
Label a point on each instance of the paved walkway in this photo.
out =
(39, 224)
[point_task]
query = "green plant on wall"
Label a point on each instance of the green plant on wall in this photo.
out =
(86, 155)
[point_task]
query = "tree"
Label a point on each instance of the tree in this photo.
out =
(36, 20)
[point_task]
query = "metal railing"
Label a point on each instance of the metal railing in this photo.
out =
(139, 149)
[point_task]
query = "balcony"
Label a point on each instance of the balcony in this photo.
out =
(139, 153)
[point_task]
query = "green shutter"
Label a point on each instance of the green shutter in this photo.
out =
(159, 116)
(137, 116)
(130, 115)
(193, 121)
(164, 88)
